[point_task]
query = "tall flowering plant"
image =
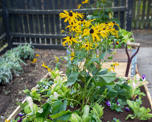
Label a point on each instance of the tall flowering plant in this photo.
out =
(88, 44)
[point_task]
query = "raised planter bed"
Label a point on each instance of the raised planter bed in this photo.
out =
(108, 114)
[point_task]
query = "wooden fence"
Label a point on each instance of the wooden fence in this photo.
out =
(3, 42)
(142, 14)
(38, 22)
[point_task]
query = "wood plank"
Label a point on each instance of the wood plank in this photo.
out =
(57, 11)
(36, 35)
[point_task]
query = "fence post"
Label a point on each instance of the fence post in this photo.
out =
(129, 14)
(5, 16)
(116, 3)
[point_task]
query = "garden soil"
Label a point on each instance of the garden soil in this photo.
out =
(12, 93)
(109, 114)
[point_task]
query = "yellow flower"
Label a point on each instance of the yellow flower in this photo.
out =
(46, 67)
(37, 55)
(72, 56)
(88, 46)
(62, 31)
(7, 120)
(117, 42)
(71, 16)
(115, 64)
(56, 58)
(111, 69)
(87, 23)
(34, 60)
(93, 32)
(85, 1)
(49, 69)
(75, 27)
(79, 6)
(69, 40)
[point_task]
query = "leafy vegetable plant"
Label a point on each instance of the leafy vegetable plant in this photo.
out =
(139, 112)
(10, 62)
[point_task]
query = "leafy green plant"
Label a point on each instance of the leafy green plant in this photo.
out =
(103, 15)
(88, 115)
(10, 62)
(139, 112)
(135, 83)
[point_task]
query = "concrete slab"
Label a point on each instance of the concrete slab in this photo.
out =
(144, 63)
(144, 37)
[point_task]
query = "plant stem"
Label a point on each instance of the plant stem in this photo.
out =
(84, 93)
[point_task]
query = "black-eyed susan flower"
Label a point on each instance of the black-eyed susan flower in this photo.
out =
(88, 46)
(85, 1)
(69, 40)
(117, 42)
(71, 16)
(75, 27)
(93, 32)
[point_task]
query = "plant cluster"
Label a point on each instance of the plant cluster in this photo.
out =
(10, 62)
(81, 94)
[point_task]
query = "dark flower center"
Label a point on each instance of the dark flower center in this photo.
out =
(91, 31)
(70, 14)
(70, 37)
(114, 22)
(106, 23)
(82, 20)
(116, 27)
(103, 28)
(86, 45)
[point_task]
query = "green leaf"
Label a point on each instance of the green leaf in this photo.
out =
(59, 106)
(98, 109)
(46, 110)
(63, 115)
(108, 77)
(85, 115)
(72, 78)
(75, 118)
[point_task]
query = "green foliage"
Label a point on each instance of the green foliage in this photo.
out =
(118, 105)
(139, 112)
(10, 62)
(103, 15)
(135, 83)
(88, 115)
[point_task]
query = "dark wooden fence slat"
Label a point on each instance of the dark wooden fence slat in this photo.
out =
(129, 14)
(122, 15)
(6, 22)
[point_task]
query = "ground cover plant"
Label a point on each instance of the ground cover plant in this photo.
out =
(87, 88)
(10, 62)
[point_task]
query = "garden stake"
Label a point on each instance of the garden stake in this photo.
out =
(134, 45)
